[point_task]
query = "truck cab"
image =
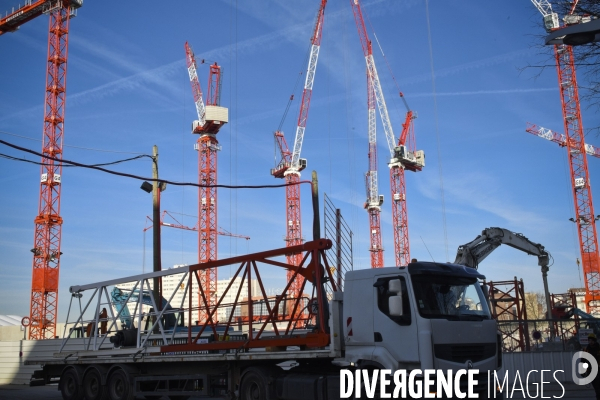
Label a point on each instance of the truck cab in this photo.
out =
(426, 315)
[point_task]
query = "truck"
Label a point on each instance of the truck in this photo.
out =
(422, 316)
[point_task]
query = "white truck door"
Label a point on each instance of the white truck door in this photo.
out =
(395, 335)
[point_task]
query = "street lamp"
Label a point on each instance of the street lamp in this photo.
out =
(576, 35)
(146, 187)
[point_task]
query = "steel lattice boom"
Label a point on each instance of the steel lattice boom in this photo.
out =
(279, 323)
(559, 138)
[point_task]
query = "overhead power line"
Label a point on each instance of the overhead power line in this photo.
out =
(93, 165)
(96, 167)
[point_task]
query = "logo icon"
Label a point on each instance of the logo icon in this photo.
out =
(469, 364)
(584, 368)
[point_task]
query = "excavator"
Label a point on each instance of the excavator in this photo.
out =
(472, 253)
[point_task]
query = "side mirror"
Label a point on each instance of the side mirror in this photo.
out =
(395, 286)
(395, 302)
(395, 305)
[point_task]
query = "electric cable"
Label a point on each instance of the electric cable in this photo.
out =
(92, 165)
(74, 163)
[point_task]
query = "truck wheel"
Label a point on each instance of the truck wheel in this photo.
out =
(69, 385)
(92, 386)
(119, 386)
(253, 387)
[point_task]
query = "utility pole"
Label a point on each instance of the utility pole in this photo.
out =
(156, 188)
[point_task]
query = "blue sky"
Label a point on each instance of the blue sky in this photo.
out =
(128, 89)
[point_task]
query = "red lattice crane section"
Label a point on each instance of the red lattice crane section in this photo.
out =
(398, 191)
(291, 164)
(585, 220)
(580, 181)
(48, 223)
(210, 119)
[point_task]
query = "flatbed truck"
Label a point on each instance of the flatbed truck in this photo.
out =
(423, 316)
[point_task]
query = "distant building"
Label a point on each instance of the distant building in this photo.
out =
(10, 320)
(227, 304)
(11, 328)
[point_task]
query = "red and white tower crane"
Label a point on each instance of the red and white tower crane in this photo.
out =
(401, 158)
(405, 157)
(291, 164)
(48, 223)
(211, 117)
(581, 185)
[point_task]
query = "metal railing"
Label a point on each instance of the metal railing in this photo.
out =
(540, 335)
(338, 231)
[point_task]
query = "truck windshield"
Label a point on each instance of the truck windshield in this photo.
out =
(450, 298)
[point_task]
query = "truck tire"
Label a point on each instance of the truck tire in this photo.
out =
(69, 385)
(119, 386)
(254, 386)
(92, 386)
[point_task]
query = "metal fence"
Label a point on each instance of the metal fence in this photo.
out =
(339, 232)
(540, 335)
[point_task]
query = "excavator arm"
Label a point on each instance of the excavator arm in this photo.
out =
(472, 253)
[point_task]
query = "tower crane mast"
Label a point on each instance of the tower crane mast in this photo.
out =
(413, 161)
(291, 164)
(580, 182)
(401, 158)
(374, 199)
(48, 223)
(211, 117)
